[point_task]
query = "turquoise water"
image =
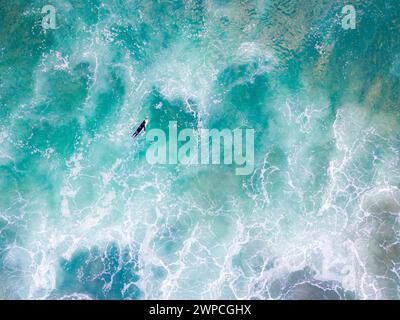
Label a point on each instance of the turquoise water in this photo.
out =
(84, 216)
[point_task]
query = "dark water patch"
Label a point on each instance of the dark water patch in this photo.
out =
(210, 189)
(146, 38)
(134, 39)
(301, 285)
(101, 274)
(54, 123)
(65, 93)
(62, 137)
(88, 10)
(107, 102)
(245, 96)
(21, 46)
(367, 51)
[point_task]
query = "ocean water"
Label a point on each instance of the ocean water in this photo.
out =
(83, 215)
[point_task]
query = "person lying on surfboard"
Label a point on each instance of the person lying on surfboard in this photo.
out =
(141, 127)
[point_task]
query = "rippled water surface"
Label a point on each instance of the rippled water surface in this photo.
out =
(83, 215)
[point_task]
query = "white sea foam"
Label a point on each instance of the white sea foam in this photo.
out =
(223, 245)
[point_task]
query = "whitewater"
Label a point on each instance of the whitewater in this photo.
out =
(83, 215)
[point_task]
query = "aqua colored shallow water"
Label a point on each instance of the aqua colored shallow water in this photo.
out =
(83, 215)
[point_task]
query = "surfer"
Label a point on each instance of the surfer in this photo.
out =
(141, 127)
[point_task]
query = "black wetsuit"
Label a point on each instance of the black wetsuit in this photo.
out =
(140, 129)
